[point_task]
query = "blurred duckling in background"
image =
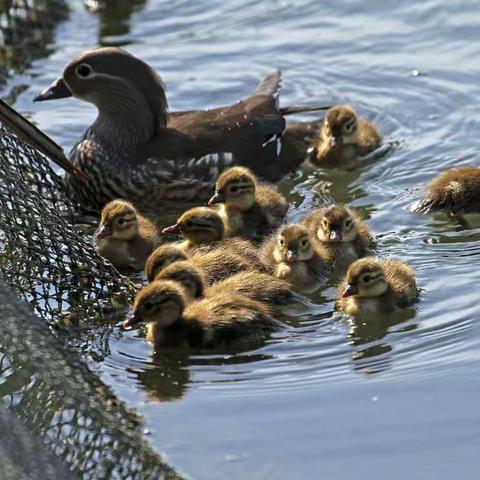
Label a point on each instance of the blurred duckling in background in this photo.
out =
(248, 208)
(295, 258)
(125, 237)
(215, 265)
(253, 285)
(210, 322)
(344, 139)
(342, 232)
(373, 287)
(455, 191)
(203, 230)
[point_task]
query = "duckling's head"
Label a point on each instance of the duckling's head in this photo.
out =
(160, 258)
(161, 302)
(118, 222)
(335, 224)
(365, 278)
(236, 188)
(187, 275)
(114, 81)
(340, 126)
(199, 225)
(293, 245)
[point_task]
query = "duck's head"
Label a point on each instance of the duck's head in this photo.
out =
(162, 257)
(335, 224)
(116, 82)
(365, 278)
(118, 221)
(187, 275)
(293, 245)
(161, 302)
(236, 188)
(340, 126)
(198, 225)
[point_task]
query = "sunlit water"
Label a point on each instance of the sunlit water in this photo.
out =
(326, 398)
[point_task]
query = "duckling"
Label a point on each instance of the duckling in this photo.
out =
(373, 287)
(296, 259)
(248, 207)
(215, 265)
(342, 232)
(210, 322)
(203, 230)
(344, 138)
(455, 191)
(124, 236)
(253, 285)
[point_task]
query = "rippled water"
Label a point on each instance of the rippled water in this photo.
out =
(326, 399)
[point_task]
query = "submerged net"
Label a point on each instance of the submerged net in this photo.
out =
(43, 256)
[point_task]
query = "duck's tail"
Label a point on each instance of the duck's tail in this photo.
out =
(270, 85)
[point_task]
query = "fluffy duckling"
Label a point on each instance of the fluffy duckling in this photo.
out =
(215, 265)
(203, 230)
(455, 191)
(253, 285)
(342, 232)
(374, 287)
(210, 322)
(295, 258)
(125, 237)
(248, 207)
(344, 138)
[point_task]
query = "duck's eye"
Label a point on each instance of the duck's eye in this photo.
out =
(147, 306)
(189, 224)
(367, 278)
(349, 126)
(304, 242)
(234, 189)
(121, 221)
(348, 223)
(325, 223)
(282, 242)
(84, 70)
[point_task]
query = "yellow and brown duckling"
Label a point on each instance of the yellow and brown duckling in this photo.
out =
(254, 285)
(248, 208)
(344, 138)
(455, 191)
(373, 287)
(215, 265)
(203, 230)
(124, 236)
(342, 232)
(210, 322)
(293, 257)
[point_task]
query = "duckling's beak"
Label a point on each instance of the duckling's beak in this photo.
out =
(132, 321)
(349, 291)
(335, 236)
(291, 256)
(58, 89)
(217, 198)
(334, 142)
(175, 229)
(104, 232)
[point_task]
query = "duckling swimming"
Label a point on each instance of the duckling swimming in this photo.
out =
(373, 287)
(342, 232)
(344, 139)
(248, 207)
(455, 191)
(203, 230)
(125, 237)
(295, 258)
(209, 322)
(253, 285)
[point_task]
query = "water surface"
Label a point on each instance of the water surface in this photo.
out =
(327, 398)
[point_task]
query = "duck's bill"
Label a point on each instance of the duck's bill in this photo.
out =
(131, 322)
(173, 229)
(349, 291)
(291, 257)
(27, 131)
(104, 232)
(58, 89)
(217, 198)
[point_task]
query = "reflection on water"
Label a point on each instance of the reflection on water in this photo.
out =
(397, 396)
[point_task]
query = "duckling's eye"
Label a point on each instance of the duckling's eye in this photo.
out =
(234, 189)
(367, 278)
(120, 221)
(349, 126)
(325, 223)
(83, 70)
(304, 242)
(281, 242)
(348, 223)
(189, 224)
(147, 306)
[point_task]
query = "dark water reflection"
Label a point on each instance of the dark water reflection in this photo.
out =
(327, 398)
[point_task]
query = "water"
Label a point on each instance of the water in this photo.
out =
(326, 399)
